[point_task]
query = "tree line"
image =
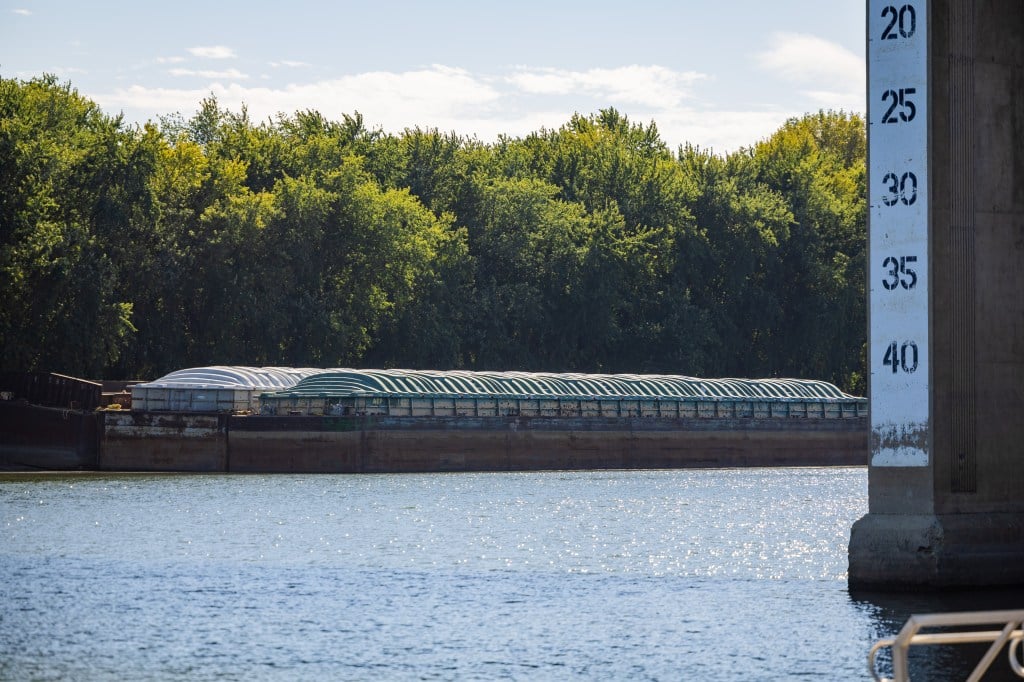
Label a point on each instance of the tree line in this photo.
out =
(129, 251)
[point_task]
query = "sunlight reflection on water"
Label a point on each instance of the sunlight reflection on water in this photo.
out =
(724, 574)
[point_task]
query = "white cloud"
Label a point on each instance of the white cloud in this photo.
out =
(151, 102)
(481, 105)
(836, 100)
(428, 97)
(212, 52)
(169, 60)
(22, 12)
(290, 64)
(719, 131)
(811, 60)
(214, 75)
(653, 86)
(64, 71)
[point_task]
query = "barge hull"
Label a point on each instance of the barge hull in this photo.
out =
(430, 444)
(189, 442)
(164, 441)
(34, 437)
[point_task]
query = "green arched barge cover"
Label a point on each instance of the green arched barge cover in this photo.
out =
(342, 383)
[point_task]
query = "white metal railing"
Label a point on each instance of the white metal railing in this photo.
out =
(908, 636)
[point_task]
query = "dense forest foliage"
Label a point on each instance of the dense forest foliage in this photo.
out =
(130, 251)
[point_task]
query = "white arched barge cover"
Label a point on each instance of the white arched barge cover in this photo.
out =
(221, 376)
(215, 389)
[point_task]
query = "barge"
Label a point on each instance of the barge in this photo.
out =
(234, 419)
(49, 422)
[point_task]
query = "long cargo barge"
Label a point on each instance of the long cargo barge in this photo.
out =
(136, 441)
(392, 421)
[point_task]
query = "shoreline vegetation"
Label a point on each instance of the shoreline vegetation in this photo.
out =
(127, 251)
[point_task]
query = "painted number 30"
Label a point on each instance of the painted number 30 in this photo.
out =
(901, 189)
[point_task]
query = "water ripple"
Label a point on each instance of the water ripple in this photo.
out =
(662, 575)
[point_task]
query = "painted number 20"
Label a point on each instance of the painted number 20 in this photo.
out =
(903, 21)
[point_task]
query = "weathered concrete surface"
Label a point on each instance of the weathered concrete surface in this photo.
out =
(151, 441)
(959, 522)
(925, 551)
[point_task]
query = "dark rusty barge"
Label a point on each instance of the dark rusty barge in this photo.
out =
(389, 421)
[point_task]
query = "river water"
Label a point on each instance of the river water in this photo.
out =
(730, 574)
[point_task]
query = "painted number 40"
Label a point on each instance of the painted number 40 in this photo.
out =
(901, 357)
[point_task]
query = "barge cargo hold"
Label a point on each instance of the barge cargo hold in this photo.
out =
(390, 421)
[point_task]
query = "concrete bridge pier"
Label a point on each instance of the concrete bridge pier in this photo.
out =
(946, 484)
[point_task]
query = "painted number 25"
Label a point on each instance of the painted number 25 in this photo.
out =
(901, 99)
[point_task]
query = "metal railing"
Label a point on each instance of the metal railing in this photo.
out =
(909, 635)
(512, 406)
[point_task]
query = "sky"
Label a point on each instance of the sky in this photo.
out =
(719, 75)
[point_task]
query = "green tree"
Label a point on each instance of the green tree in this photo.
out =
(818, 164)
(303, 241)
(67, 178)
(745, 224)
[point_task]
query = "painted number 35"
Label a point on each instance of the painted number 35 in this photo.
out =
(898, 274)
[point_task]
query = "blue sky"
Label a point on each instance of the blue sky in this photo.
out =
(719, 75)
